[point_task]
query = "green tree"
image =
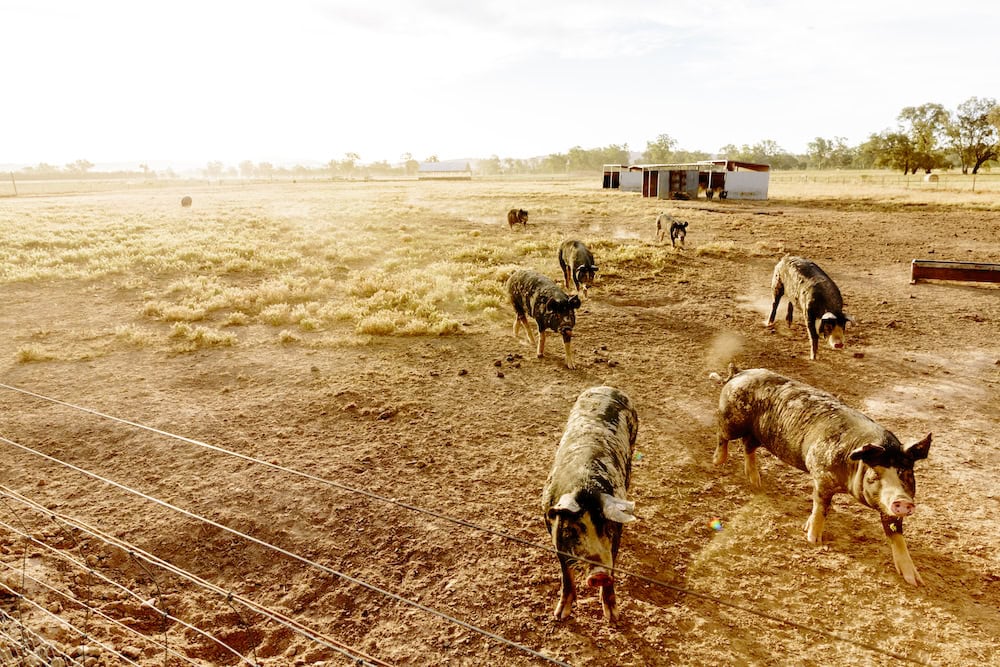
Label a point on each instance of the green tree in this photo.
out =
(80, 167)
(555, 163)
(925, 125)
(490, 166)
(349, 163)
(660, 150)
(410, 166)
(892, 150)
(581, 159)
(973, 136)
(214, 169)
(830, 153)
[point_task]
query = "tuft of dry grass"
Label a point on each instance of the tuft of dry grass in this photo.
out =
(27, 354)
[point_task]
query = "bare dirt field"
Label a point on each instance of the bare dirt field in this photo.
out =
(346, 337)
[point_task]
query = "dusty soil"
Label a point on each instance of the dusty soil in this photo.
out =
(430, 422)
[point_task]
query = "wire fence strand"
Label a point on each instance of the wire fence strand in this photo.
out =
(39, 639)
(473, 526)
(67, 624)
(164, 614)
(137, 553)
(289, 554)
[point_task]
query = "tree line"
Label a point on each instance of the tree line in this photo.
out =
(926, 137)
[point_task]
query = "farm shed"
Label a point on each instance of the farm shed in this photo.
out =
(612, 176)
(631, 179)
(727, 179)
(448, 170)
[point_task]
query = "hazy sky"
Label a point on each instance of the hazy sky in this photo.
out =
(292, 81)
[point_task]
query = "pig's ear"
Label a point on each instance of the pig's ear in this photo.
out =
(574, 301)
(565, 505)
(918, 450)
(870, 454)
(616, 509)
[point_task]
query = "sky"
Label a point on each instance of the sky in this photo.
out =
(297, 81)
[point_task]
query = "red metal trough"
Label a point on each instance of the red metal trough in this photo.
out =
(926, 269)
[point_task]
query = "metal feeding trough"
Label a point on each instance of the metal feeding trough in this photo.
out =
(926, 269)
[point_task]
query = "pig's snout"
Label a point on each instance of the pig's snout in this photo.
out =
(838, 346)
(600, 578)
(902, 507)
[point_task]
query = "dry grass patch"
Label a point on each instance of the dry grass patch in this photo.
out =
(188, 338)
(27, 354)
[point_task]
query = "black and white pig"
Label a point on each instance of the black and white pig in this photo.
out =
(577, 262)
(842, 449)
(584, 501)
(817, 296)
(668, 224)
(535, 295)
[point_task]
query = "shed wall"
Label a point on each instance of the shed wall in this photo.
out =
(747, 184)
(631, 181)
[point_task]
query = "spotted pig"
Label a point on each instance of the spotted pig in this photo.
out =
(842, 450)
(517, 216)
(577, 262)
(817, 296)
(537, 296)
(668, 224)
(584, 502)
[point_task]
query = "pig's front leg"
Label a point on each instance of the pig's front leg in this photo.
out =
(893, 527)
(822, 496)
(540, 352)
(567, 591)
(568, 348)
(721, 451)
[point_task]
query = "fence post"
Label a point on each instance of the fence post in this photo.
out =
(13, 182)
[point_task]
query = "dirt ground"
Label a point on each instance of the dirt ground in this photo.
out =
(466, 425)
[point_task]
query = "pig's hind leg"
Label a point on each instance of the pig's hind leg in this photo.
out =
(520, 322)
(750, 465)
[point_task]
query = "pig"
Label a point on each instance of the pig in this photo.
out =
(843, 450)
(668, 224)
(584, 501)
(517, 216)
(577, 261)
(808, 287)
(536, 295)
(678, 231)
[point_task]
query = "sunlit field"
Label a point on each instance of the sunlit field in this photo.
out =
(329, 368)
(344, 262)
(328, 263)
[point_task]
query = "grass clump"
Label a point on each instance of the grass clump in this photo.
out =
(27, 354)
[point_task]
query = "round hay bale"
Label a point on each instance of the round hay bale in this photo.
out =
(930, 178)
(186, 201)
